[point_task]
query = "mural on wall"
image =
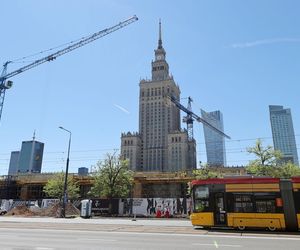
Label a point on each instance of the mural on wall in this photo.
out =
(155, 207)
(148, 207)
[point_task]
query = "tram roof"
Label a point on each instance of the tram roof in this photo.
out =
(296, 179)
(240, 180)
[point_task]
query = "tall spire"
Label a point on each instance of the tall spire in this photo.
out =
(159, 36)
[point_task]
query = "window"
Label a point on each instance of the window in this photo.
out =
(267, 206)
(243, 203)
(201, 195)
(201, 192)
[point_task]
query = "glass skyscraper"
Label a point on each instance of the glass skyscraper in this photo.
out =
(13, 163)
(214, 142)
(31, 156)
(283, 133)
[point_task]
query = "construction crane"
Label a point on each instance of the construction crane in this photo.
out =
(191, 116)
(7, 84)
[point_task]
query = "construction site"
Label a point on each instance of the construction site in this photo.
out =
(162, 155)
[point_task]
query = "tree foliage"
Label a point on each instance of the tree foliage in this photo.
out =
(206, 172)
(265, 156)
(268, 163)
(55, 186)
(112, 178)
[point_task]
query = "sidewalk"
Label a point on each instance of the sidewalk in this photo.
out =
(100, 221)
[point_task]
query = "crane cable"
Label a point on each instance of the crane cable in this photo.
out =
(21, 59)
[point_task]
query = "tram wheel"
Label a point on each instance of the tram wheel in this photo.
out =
(241, 228)
(271, 228)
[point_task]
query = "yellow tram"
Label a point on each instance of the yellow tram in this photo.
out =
(246, 202)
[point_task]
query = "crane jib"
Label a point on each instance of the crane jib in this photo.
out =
(4, 84)
(74, 46)
(194, 116)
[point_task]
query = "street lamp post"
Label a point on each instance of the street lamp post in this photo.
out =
(63, 211)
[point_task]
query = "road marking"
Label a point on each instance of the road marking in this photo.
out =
(275, 237)
(89, 239)
(44, 248)
(214, 245)
(204, 236)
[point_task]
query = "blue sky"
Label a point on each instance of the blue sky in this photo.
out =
(234, 56)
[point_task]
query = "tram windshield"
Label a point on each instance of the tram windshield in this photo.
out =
(201, 198)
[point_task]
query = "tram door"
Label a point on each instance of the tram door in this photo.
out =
(220, 212)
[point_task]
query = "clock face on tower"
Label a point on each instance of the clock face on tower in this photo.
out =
(159, 57)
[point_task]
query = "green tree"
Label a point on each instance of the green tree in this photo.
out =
(268, 163)
(266, 160)
(286, 170)
(265, 156)
(112, 179)
(54, 187)
(206, 172)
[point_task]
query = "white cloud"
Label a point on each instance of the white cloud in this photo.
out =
(265, 42)
(121, 108)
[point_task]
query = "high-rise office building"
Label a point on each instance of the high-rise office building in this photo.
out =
(160, 145)
(283, 133)
(214, 142)
(83, 171)
(14, 163)
(31, 156)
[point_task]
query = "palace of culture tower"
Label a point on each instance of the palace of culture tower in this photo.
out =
(160, 145)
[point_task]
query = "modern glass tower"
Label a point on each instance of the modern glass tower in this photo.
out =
(283, 133)
(31, 156)
(214, 142)
(14, 163)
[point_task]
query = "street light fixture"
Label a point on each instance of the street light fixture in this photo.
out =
(65, 198)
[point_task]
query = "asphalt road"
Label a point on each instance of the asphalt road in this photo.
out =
(49, 233)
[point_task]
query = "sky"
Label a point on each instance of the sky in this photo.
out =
(235, 56)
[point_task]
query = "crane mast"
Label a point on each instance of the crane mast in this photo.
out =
(188, 119)
(191, 116)
(6, 84)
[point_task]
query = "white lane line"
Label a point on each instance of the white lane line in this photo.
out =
(204, 236)
(275, 237)
(95, 239)
(203, 244)
(44, 248)
(216, 244)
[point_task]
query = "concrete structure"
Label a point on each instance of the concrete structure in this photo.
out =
(14, 163)
(31, 156)
(152, 149)
(131, 149)
(146, 184)
(283, 133)
(181, 151)
(214, 142)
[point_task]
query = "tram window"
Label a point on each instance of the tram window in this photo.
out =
(266, 206)
(243, 203)
(201, 205)
(201, 196)
(201, 192)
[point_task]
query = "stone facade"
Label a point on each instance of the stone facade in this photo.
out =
(131, 149)
(159, 119)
